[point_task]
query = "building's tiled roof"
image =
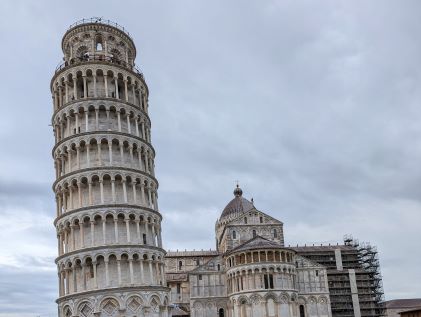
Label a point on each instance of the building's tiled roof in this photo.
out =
(256, 243)
(413, 310)
(403, 303)
(191, 253)
(238, 205)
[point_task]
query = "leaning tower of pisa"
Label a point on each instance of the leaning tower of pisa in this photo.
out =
(110, 255)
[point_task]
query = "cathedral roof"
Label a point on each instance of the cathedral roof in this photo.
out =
(238, 205)
(256, 243)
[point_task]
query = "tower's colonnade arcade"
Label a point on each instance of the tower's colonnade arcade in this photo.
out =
(110, 256)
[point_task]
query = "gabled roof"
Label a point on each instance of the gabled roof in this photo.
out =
(256, 243)
(304, 262)
(405, 303)
(206, 267)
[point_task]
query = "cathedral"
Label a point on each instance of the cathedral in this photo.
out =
(111, 261)
(251, 272)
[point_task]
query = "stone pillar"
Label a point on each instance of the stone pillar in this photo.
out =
(124, 190)
(151, 272)
(90, 192)
(110, 152)
(129, 129)
(138, 230)
(142, 275)
(60, 99)
(119, 271)
(85, 91)
(77, 157)
(95, 274)
(87, 121)
(74, 79)
(113, 190)
(116, 230)
(104, 230)
(99, 154)
(96, 119)
(131, 271)
(101, 186)
(88, 158)
(107, 274)
(83, 277)
(119, 120)
(134, 192)
(66, 91)
(72, 236)
(81, 235)
(95, 92)
(106, 85)
(137, 126)
(127, 221)
(93, 233)
(116, 88)
(125, 90)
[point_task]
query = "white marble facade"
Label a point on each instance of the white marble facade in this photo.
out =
(110, 258)
(250, 274)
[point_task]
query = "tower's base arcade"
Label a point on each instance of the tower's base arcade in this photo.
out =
(130, 301)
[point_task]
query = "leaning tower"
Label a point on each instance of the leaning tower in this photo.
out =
(110, 255)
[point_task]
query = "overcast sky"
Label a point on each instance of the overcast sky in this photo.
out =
(314, 106)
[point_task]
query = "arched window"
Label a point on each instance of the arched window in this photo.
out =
(180, 265)
(302, 311)
(245, 220)
(275, 233)
(82, 53)
(221, 312)
(254, 233)
(98, 43)
(268, 281)
(219, 267)
(234, 235)
(261, 219)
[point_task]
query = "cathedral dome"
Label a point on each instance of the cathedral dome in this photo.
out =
(238, 205)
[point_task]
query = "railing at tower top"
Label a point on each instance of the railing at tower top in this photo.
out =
(101, 21)
(99, 58)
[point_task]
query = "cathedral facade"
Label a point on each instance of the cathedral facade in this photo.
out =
(251, 272)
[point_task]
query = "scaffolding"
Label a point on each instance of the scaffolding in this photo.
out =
(369, 280)
(357, 257)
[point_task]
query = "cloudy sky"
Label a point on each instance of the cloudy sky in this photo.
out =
(314, 106)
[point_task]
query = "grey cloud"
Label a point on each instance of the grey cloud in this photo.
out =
(313, 106)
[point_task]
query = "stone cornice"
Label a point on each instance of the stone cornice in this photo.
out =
(113, 290)
(105, 63)
(101, 133)
(114, 100)
(106, 206)
(110, 247)
(105, 169)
